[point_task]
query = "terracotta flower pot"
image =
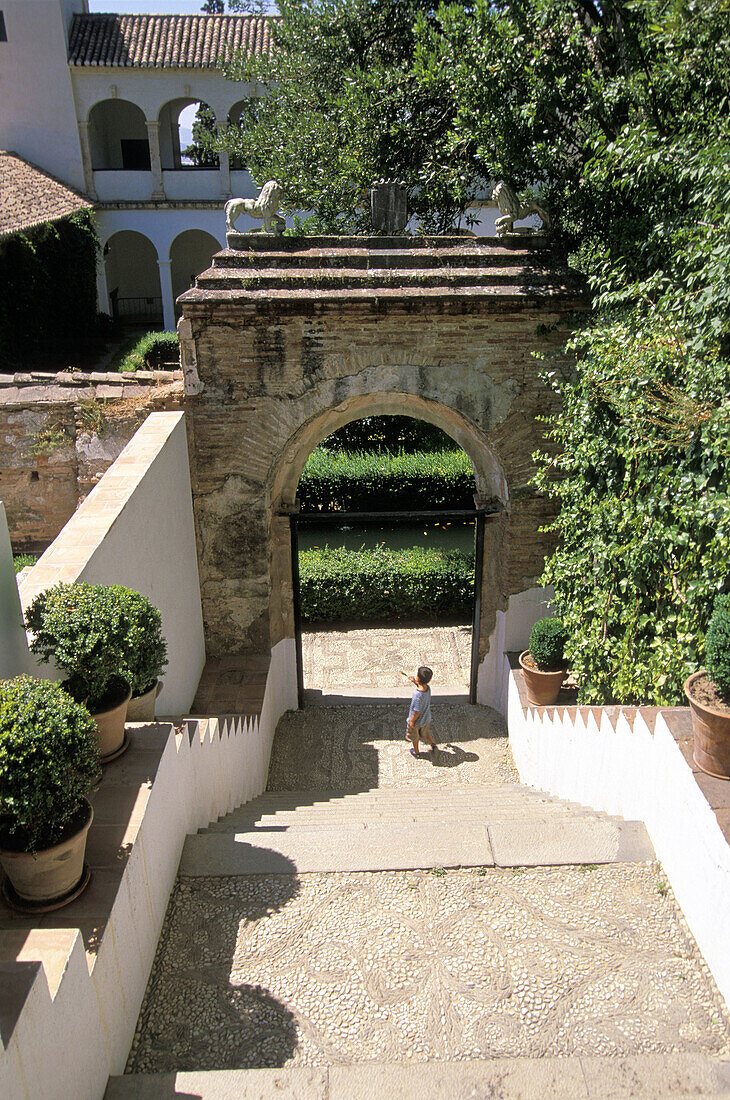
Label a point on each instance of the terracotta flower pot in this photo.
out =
(542, 687)
(51, 872)
(141, 708)
(711, 729)
(110, 724)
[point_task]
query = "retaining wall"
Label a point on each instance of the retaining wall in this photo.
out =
(59, 433)
(637, 762)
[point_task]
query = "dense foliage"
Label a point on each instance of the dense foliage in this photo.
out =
(718, 645)
(380, 481)
(150, 351)
(49, 758)
(381, 584)
(48, 303)
(389, 433)
(144, 648)
(547, 644)
(20, 561)
(86, 629)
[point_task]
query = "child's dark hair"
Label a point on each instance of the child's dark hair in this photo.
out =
(424, 674)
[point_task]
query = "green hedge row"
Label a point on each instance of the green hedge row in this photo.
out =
(337, 584)
(150, 352)
(355, 481)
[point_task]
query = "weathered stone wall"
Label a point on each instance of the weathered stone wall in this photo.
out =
(280, 375)
(60, 432)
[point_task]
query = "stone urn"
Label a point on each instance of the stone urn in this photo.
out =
(48, 877)
(141, 708)
(542, 687)
(711, 729)
(110, 721)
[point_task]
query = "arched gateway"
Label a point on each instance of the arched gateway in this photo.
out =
(286, 339)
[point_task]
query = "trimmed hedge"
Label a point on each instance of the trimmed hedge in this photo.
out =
(382, 584)
(717, 645)
(150, 351)
(548, 639)
(358, 481)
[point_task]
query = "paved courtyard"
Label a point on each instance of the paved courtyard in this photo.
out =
(369, 661)
(356, 747)
(377, 967)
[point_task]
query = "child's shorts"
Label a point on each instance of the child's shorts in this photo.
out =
(424, 733)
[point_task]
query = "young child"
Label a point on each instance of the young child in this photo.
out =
(419, 716)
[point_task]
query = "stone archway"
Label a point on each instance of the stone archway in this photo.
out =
(491, 482)
(285, 339)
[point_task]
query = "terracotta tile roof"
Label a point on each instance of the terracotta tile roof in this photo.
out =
(30, 197)
(165, 41)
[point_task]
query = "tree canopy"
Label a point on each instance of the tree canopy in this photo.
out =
(617, 114)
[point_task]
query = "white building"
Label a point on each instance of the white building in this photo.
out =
(95, 100)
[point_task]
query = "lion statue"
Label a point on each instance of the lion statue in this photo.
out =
(512, 210)
(263, 209)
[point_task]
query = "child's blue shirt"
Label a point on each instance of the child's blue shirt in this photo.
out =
(421, 704)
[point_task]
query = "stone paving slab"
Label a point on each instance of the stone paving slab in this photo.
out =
(531, 842)
(416, 967)
(371, 659)
(649, 1077)
(356, 748)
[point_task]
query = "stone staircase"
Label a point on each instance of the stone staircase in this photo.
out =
(422, 940)
(386, 829)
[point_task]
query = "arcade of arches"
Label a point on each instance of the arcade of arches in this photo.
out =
(275, 364)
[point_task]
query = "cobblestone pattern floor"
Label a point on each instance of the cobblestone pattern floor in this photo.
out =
(370, 659)
(342, 968)
(358, 747)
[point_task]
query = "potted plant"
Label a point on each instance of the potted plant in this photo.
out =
(708, 694)
(543, 662)
(145, 656)
(83, 628)
(49, 758)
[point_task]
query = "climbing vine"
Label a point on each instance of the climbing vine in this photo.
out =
(48, 275)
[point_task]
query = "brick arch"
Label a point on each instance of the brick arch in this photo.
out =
(491, 481)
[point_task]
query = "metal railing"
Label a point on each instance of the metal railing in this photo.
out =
(137, 309)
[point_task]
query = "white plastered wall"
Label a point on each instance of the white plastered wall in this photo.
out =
(136, 528)
(511, 633)
(14, 656)
(37, 110)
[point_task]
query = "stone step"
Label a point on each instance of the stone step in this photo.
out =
(384, 846)
(354, 279)
(474, 816)
(263, 243)
(579, 1077)
(394, 258)
(501, 296)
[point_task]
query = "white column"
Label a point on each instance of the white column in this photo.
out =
(102, 288)
(86, 160)
(168, 302)
(153, 137)
(225, 173)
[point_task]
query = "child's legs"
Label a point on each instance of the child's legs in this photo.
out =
(425, 732)
(412, 733)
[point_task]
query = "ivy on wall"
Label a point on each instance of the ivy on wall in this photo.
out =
(48, 300)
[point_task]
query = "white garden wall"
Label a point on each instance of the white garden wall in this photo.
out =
(626, 761)
(136, 528)
(73, 1033)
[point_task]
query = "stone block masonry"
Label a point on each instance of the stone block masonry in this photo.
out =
(59, 433)
(290, 339)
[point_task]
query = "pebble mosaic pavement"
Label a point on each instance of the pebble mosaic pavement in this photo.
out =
(316, 969)
(354, 658)
(341, 968)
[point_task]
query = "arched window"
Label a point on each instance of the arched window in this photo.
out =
(186, 126)
(190, 253)
(118, 137)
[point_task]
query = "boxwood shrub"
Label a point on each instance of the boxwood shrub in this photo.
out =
(548, 639)
(382, 584)
(49, 758)
(717, 645)
(358, 481)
